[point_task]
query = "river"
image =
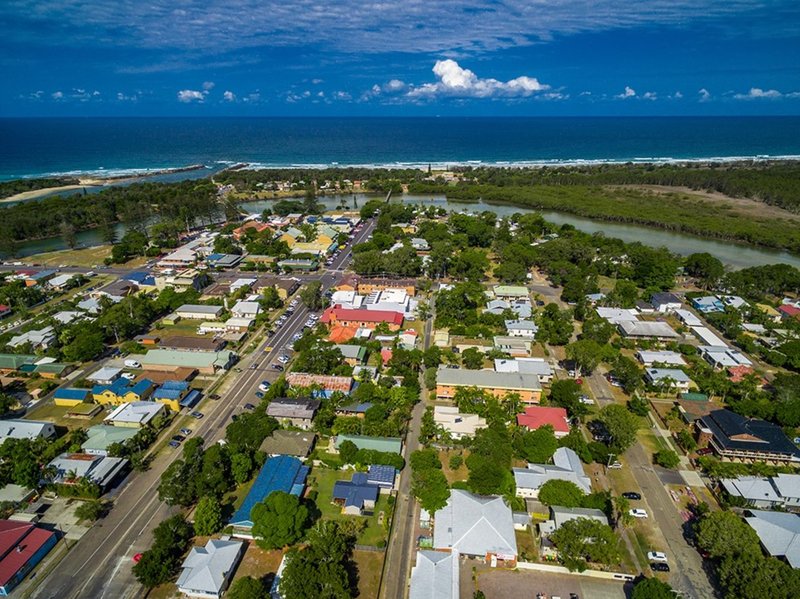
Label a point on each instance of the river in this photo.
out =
(731, 254)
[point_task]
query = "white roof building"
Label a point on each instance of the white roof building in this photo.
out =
(659, 376)
(105, 376)
(68, 316)
(566, 466)
(688, 318)
(99, 469)
(243, 309)
(538, 366)
(476, 526)
(779, 533)
(457, 424)
(434, 576)
(648, 358)
(39, 338)
(707, 337)
(521, 328)
(757, 491)
(199, 311)
(25, 429)
(560, 515)
(60, 280)
(657, 330)
(135, 413)
(617, 315)
(723, 357)
(206, 571)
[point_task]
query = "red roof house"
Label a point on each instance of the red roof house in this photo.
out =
(22, 546)
(537, 416)
(362, 318)
(386, 355)
(251, 224)
(789, 311)
(736, 374)
(342, 334)
(4, 310)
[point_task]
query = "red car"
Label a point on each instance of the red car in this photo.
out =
(137, 557)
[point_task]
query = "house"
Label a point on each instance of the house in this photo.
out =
(708, 304)
(116, 290)
(135, 414)
(16, 495)
(519, 347)
(419, 244)
(5, 311)
(353, 410)
(207, 571)
(104, 376)
(321, 384)
(251, 225)
(734, 301)
(536, 417)
(781, 491)
(560, 515)
(499, 384)
(68, 316)
(353, 354)
(101, 436)
(668, 358)
(238, 324)
(68, 397)
(297, 412)
(723, 357)
(737, 374)
(187, 343)
(779, 534)
(244, 309)
(22, 546)
(617, 315)
(224, 261)
(203, 362)
(279, 473)
(521, 328)
(688, 318)
(183, 280)
(522, 308)
(60, 281)
(357, 497)
(510, 292)
(390, 300)
(11, 363)
(142, 279)
(382, 444)
(26, 429)
(35, 278)
(566, 466)
(665, 302)
(362, 318)
(536, 366)
(293, 443)
(647, 330)
(307, 264)
(458, 425)
(788, 311)
(49, 370)
(102, 470)
(435, 576)
(667, 378)
(367, 285)
(736, 438)
(382, 476)
(38, 339)
(475, 526)
(175, 394)
(199, 312)
(707, 337)
(122, 391)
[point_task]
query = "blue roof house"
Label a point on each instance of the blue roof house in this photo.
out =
(708, 304)
(279, 473)
(357, 496)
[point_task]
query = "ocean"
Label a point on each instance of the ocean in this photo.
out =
(113, 146)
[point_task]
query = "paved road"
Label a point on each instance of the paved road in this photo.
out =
(687, 574)
(401, 546)
(99, 565)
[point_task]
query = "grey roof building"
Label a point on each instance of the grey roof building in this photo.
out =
(566, 466)
(299, 412)
(460, 377)
(779, 533)
(294, 443)
(474, 525)
(434, 576)
(559, 515)
(640, 328)
(25, 429)
(206, 571)
(780, 491)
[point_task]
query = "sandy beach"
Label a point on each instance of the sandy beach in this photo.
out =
(38, 193)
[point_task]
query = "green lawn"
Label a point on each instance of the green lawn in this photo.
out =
(323, 479)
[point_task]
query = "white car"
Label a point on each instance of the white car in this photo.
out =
(656, 556)
(283, 359)
(128, 375)
(638, 513)
(615, 466)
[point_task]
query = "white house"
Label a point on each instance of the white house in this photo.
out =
(434, 576)
(207, 571)
(665, 302)
(566, 466)
(243, 309)
(648, 358)
(199, 312)
(538, 366)
(25, 429)
(521, 328)
(673, 377)
(457, 424)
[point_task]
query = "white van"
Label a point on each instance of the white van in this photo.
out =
(132, 364)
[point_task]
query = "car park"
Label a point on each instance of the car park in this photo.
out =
(186, 431)
(197, 415)
(638, 513)
(657, 556)
(659, 567)
(632, 495)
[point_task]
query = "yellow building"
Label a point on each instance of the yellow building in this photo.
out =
(70, 398)
(122, 391)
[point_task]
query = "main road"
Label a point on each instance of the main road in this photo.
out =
(100, 564)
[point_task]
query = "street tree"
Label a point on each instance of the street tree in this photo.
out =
(208, 516)
(621, 424)
(724, 533)
(311, 296)
(652, 588)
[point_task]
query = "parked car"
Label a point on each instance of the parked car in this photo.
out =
(259, 394)
(186, 431)
(197, 415)
(174, 444)
(128, 375)
(264, 386)
(178, 438)
(615, 466)
(638, 513)
(657, 556)
(277, 367)
(659, 567)
(249, 406)
(632, 495)
(284, 359)
(705, 451)
(214, 396)
(585, 399)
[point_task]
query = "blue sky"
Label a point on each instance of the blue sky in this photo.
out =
(415, 57)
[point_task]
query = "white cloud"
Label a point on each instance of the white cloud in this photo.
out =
(252, 98)
(756, 93)
(628, 93)
(649, 96)
(190, 95)
(458, 82)
(677, 95)
(59, 95)
(342, 96)
(705, 95)
(316, 81)
(229, 96)
(208, 86)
